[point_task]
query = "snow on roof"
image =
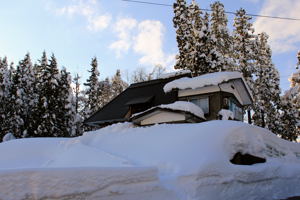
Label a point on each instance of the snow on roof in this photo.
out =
(180, 106)
(123, 162)
(201, 81)
(185, 106)
(172, 74)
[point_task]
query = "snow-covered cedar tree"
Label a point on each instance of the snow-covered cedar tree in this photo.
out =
(78, 106)
(201, 50)
(266, 91)
(243, 46)
(106, 92)
(287, 128)
(5, 96)
(93, 92)
(183, 27)
(213, 57)
(117, 84)
(41, 70)
(293, 94)
(66, 114)
(23, 99)
(48, 103)
(290, 116)
(221, 38)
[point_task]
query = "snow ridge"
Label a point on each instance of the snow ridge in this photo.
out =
(201, 81)
(185, 106)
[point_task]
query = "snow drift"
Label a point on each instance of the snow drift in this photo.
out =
(179, 161)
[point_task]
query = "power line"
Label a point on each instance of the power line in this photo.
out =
(228, 12)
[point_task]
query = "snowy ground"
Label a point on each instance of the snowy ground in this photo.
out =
(183, 161)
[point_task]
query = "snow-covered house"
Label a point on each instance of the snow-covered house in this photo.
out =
(178, 98)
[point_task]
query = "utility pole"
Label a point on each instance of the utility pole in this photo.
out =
(298, 57)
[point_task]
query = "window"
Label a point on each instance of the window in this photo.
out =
(237, 111)
(201, 102)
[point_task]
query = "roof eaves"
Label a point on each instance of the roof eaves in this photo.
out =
(159, 108)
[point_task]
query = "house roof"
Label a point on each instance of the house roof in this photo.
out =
(152, 111)
(202, 81)
(150, 92)
(211, 79)
(140, 100)
(183, 106)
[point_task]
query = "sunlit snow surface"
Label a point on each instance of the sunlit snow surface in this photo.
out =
(180, 161)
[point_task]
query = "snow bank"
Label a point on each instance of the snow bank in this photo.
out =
(168, 161)
(83, 183)
(201, 81)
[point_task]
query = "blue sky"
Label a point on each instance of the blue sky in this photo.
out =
(125, 35)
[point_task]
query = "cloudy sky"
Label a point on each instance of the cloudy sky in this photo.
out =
(125, 35)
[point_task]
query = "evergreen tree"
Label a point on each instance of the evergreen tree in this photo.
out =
(244, 45)
(293, 94)
(48, 103)
(77, 106)
(213, 58)
(93, 92)
(184, 38)
(198, 50)
(66, 115)
(106, 92)
(290, 109)
(266, 91)
(42, 73)
(221, 38)
(288, 122)
(201, 32)
(5, 95)
(24, 98)
(117, 84)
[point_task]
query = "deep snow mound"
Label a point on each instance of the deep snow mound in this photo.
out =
(180, 161)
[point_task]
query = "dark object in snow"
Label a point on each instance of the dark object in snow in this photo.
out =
(246, 159)
(293, 198)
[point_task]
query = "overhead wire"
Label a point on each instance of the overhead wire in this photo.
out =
(209, 10)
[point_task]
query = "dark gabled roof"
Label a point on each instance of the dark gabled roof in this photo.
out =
(138, 93)
(140, 100)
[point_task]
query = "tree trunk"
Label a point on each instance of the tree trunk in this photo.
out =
(263, 123)
(249, 116)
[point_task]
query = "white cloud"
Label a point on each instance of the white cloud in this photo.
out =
(98, 23)
(144, 38)
(87, 8)
(149, 40)
(284, 34)
(123, 28)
